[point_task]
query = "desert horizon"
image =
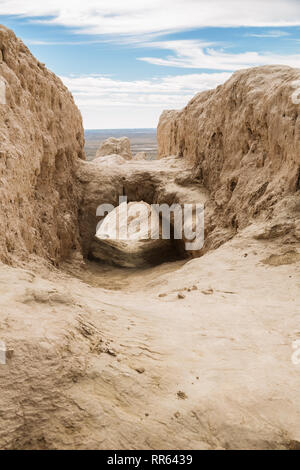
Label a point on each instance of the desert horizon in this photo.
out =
(141, 140)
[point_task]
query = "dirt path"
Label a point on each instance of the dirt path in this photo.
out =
(101, 368)
(216, 364)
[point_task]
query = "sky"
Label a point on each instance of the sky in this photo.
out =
(125, 61)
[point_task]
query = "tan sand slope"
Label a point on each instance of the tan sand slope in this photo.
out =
(99, 368)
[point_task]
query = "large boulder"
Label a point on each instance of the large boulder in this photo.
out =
(113, 146)
(109, 160)
(131, 236)
(164, 181)
(140, 156)
(42, 140)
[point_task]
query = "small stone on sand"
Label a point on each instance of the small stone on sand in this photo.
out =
(181, 395)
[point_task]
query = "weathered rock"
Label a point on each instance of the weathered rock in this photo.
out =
(140, 156)
(243, 179)
(110, 160)
(243, 139)
(112, 146)
(166, 133)
(164, 181)
(131, 236)
(42, 139)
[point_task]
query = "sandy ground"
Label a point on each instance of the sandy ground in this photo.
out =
(190, 355)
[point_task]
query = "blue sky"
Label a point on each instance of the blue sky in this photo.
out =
(127, 61)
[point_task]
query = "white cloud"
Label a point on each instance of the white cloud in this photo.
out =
(138, 101)
(122, 117)
(175, 90)
(198, 55)
(276, 33)
(106, 102)
(36, 42)
(137, 17)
